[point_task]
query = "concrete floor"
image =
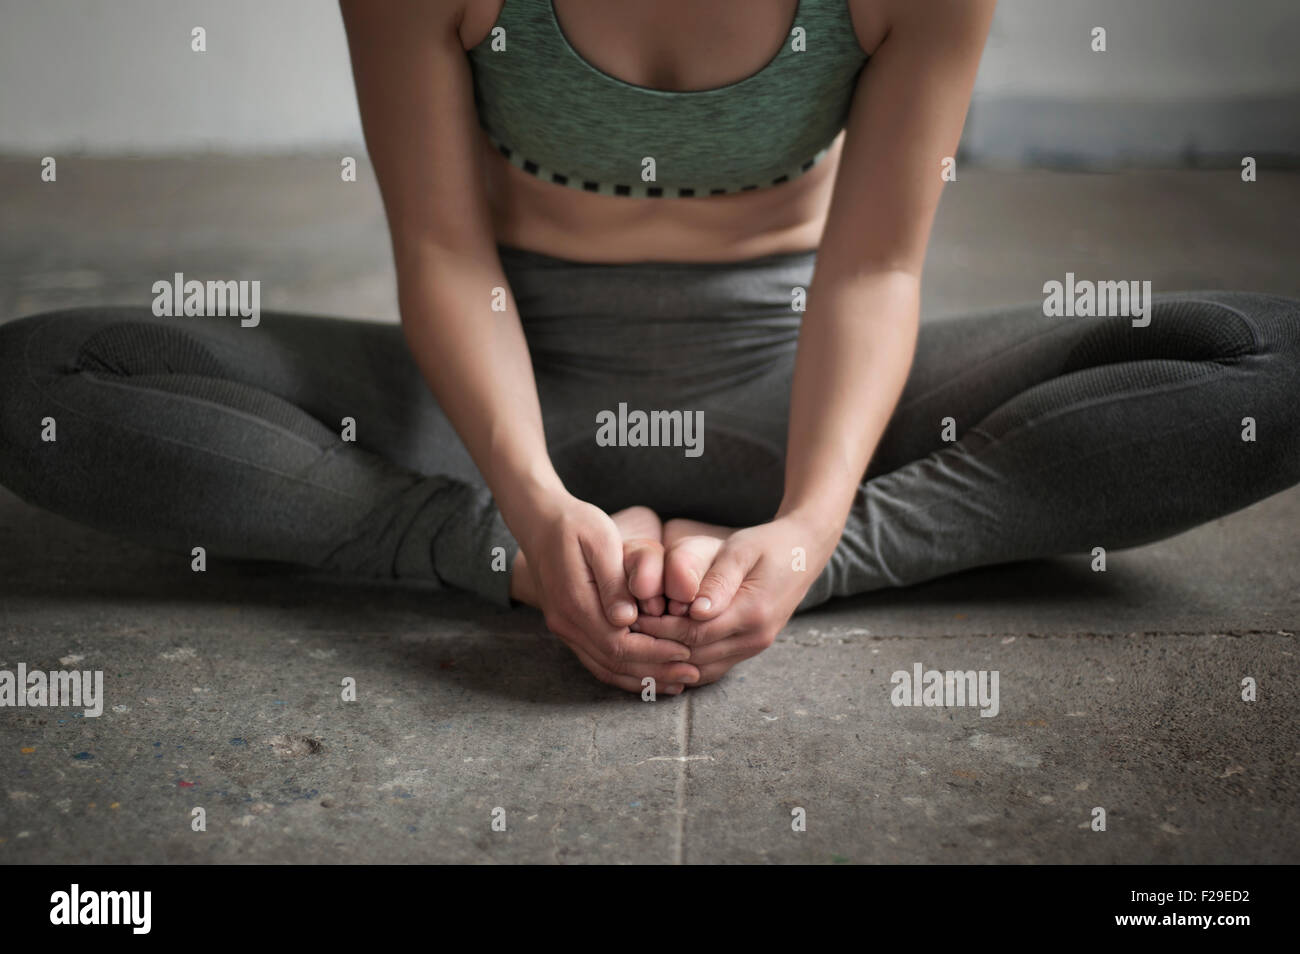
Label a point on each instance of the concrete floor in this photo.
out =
(1118, 690)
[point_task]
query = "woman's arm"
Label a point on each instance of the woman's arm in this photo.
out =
(858, 335)
(415, 91)
(416, 99)
(857, 338)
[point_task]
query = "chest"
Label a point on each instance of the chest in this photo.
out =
(678, 45)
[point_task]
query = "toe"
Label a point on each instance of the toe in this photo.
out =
(644, 561)
(655, 606)
(685, 566)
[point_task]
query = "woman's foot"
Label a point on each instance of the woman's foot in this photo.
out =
(690, 548)
(643, 560)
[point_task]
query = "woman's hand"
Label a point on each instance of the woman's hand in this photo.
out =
(745, 596)
(572, 566)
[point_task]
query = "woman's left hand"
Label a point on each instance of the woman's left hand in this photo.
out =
(754, 585)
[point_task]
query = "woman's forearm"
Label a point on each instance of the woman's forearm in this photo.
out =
(855, 350)
(476, 362)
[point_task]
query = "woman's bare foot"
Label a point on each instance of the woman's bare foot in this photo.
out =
(690, 548)
(643, 560)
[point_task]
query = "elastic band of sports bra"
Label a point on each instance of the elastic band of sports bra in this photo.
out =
(641, 190)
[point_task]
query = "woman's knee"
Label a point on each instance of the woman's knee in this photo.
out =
(1251, 322)
(50, 340)
(1252, 335)
(1269, 402)
(1274, 361)
(28, 353)
(38, 355)
(112, 340)
(24, 363)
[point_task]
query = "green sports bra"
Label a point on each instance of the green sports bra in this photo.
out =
(554, 115)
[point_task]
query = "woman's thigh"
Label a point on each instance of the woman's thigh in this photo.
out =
(1000, 369)
(338, 372)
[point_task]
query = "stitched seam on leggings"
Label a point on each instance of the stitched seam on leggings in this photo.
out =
(1094, 402)
(1025, 342)
(244, 415)
(1072, 461)
(1057, 464)
(199, 447)
(392, 565)
(109, 381)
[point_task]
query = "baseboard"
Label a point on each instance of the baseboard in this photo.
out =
(1054, 132)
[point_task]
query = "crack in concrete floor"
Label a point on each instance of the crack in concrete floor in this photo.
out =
(683, 770)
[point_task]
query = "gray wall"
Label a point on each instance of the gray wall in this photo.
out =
(1183, 79)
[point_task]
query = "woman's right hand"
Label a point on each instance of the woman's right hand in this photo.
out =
(573, 570)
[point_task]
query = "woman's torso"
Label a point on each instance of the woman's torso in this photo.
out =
(671, 45)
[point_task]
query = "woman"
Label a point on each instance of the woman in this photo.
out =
(605, 218)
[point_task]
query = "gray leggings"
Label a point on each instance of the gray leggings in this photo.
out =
(1065, 433)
